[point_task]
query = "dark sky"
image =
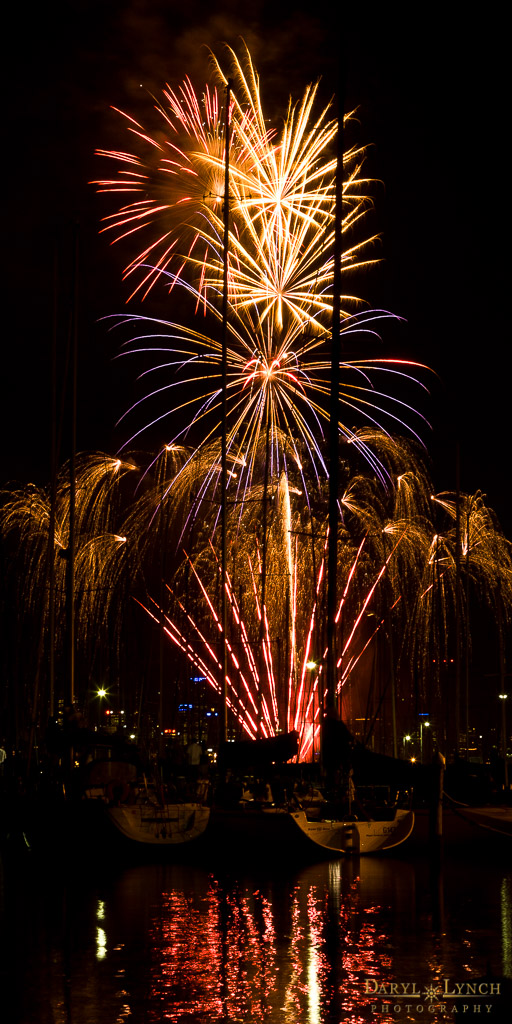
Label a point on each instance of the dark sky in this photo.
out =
(430, 87)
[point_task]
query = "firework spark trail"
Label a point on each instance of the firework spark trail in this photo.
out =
(297, 705)
(282, 193)
(103, 557)
(486, 564)
(366, 601)
(284, 508)
(229, 646)
(305, 709)
(293, 387)
(261, 615)
(179, 639)
(269, 725)
(299, 699)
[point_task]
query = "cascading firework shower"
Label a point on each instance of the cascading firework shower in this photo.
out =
(392, 575)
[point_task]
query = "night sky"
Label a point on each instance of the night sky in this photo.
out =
(430, 88)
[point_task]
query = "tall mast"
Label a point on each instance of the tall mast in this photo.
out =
(333, 462)
(53, 492)
(224, 473)
(72, 518)
(73, 347)
(458, 596)
(262, 638)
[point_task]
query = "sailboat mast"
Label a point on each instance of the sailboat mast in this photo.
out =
(332, 551)
(458, 600)
(53, 493)
(73, 342)
(263, 597)
(224, 471)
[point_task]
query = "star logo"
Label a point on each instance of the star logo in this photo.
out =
(431, 992)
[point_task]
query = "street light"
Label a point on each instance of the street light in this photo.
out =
(407, 739)
(101, 692)
(423, 725)
(311, 666)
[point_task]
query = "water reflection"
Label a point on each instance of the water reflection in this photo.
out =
(506, 925)
(169, 943)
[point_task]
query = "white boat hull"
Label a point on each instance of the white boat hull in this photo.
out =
(170, 825)
(359, 837)
(277, 831)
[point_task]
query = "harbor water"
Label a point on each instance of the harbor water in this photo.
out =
(89, 940)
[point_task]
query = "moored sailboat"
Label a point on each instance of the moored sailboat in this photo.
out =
(356, 837)
(152, 822)
(143, 811)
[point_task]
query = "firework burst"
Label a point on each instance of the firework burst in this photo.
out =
(279, 287)
(281, 199)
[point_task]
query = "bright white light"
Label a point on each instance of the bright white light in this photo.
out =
(101, 944)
